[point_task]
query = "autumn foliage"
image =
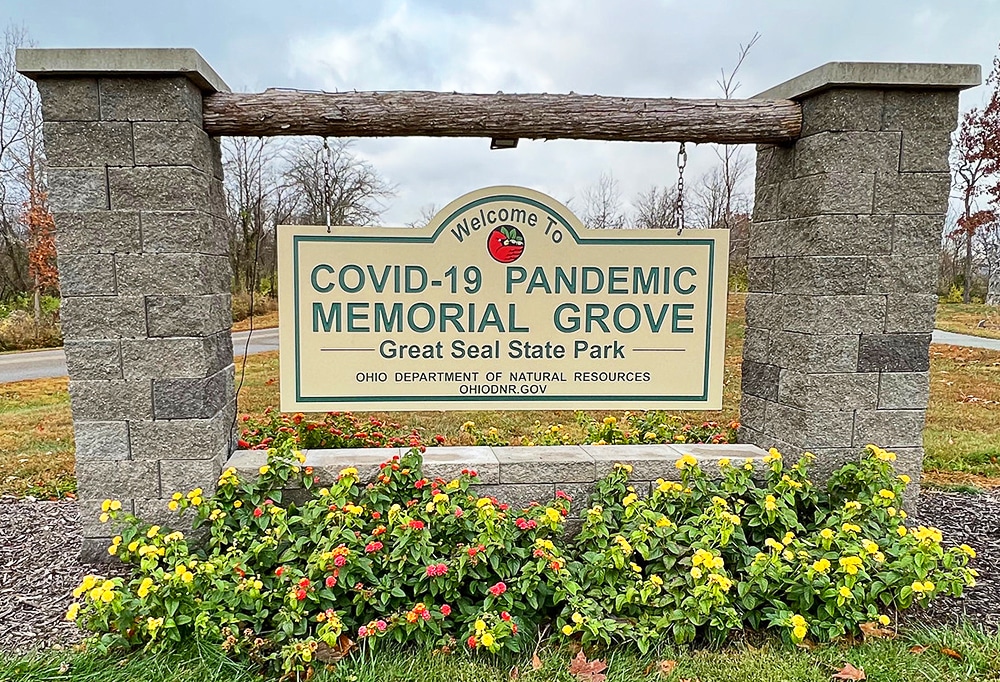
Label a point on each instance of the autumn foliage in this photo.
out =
(41, 242)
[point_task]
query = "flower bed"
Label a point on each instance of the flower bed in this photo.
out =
(408, 559)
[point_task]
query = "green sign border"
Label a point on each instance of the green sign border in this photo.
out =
(299, 239)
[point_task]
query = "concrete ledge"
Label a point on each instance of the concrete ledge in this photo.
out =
(882, 75)
(38, 63)
(565, 467)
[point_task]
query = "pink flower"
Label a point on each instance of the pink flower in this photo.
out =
(426, 615)
(279, 570)
(362, 631)
(300, 594)
(258, 512)
(330, 581)
(373, 547)
(339, 560)
(504, 615)
(381, 625)
(445, 610)
(563, 496)
(458, 512)
(416, 524)
(498, 589)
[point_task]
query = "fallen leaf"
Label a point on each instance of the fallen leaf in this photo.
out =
(951, 653)
(875, 631)
(588, 671)
(849, 672)
(536, 662)
(515, 673)
(332, 654)
(64, 668)
(666, 667)
(918, 649)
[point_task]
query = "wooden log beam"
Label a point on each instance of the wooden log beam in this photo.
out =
(536, 116)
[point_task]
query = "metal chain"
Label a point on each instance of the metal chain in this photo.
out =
(326, 183)
(682, 157)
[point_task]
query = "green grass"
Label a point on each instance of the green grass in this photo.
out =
(882, 660)
(969, 318)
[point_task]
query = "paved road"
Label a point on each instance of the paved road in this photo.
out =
(52, 363)
(41, 364)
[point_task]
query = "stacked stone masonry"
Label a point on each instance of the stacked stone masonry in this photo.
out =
(136, 191)
(843, 275)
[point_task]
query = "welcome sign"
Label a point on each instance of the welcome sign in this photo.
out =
(504, 301)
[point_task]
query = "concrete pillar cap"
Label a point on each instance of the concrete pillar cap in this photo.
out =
(879, 75)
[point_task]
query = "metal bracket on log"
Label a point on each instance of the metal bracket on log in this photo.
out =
(527, 116)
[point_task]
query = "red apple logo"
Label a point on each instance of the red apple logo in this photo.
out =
(505, 244)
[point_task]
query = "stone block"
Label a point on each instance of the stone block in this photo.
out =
(172, 273)
(103, 317)
(894, 353)
(821, 275)
(98, 232)
(326, 464)
(912, 193)
(518, 495)
(809, 428)
(708, 455)
(183, 475)
(216, 152)
(756, 342)
(902, 274)
(90, 520)
(760, 275)
(766, 203)
(580, 493)
(904, 390)
(94, 550)
(916, 235)
(118, 480)
(195, 398)
(555, 464)
(828, 235)
(156, 511)
(760, 380)
(101, 440)
(764, 311)
(170, 98)
(190, 438)
(184, 232)
(158, 188)
(913, 313)
(925, 151)
(69, 99)
(830, 460)
(90, 274)
(82, 144)
(842, 109)
(648, 462)
(837, 315)
(920, 110)
(847, 152)
(752, 410)
(165, 358)
(814, 353)
(114, 400)
(829, 392)
(78, 189)
(182, 315)
(765, 441)
(172, 144)
(889, 428)
(91, 359)
(775, 163)
(449, 461)
(842, 193)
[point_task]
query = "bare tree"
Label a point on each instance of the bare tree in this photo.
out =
(602, 204)
(21, 172)
(734, 165)
(427, 213)
(656, 208)
(354, 195)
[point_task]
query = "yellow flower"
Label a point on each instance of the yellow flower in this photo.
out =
(649, 436)
(821, 566)
(552, 515)
(789, 536)
(440, 498)
(748, 464)
(968, 550)
(770, 503)
(826, 534)
(696, 573)
(722, 581)
(663, 522)
(172, 505)
(105, 505)
(105, 518)
(800, 631)
(630, 499)
(901, 530)
(845, 592)
(928, 586)
(869, 546)
(113, 550)
(237, 504)
(851, 564)
(686, 461)
(264, 469)
(798, 620)
(904, 478)
(108, 596)
(891, 511)
(480, 625)
(917, 586)
(487, 640)
(772, 456)
(850, 528)
(656, 580)
(197, 492)
(774, 544)
(723, 463)
(187, 577)
(884, 619)
(468, 425)
(577, 618)
(886, 494)
(852, 505)
(151, 533)
(567, 630)
(348, 472)
(144, 588)
(73, 612)
(610, 421)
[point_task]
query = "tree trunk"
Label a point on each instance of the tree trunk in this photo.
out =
(967, 289)
(38, 307)
(534, 116)
(993, 292)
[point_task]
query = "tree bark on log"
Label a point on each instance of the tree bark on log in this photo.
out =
(533, 116)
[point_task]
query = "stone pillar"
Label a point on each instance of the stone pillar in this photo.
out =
(844, 250)
(136, 190)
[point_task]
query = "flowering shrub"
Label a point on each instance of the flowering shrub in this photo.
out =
(334, 430)
(404, 559)
(654, 427)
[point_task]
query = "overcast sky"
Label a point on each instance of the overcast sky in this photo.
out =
(612, 47)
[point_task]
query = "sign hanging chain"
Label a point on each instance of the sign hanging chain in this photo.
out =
(326, 183)
(682, 157)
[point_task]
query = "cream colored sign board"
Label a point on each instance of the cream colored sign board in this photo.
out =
(504, 301)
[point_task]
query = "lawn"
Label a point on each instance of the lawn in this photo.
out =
(962, 438)
(969, 318)
(943, 655)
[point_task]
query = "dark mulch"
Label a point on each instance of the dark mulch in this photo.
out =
(40, 541)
